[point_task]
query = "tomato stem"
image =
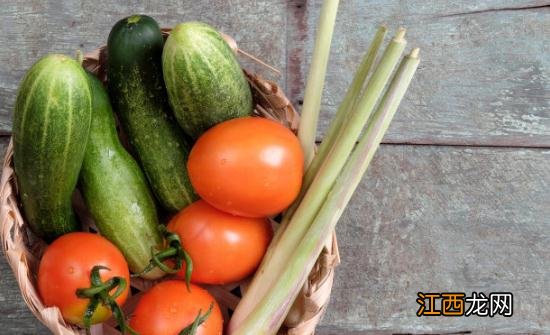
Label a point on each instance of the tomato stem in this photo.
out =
(99, 292)
(175, 252)
(199, 320)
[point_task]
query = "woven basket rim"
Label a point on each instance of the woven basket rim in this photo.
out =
(22, 250)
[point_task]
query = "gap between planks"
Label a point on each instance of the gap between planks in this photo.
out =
(5, 135)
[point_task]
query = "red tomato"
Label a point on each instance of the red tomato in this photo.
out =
(66, 266)
(224, 248)
(168, 307)
(248, 166)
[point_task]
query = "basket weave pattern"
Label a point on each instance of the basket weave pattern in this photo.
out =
(23, 250)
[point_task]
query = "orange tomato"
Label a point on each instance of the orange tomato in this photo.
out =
(224, 248)
(168, 307)
(66, 266)
(247, 166)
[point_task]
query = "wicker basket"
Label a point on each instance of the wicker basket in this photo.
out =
(23, 250)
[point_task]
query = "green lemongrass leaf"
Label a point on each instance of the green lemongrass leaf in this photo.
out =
(278, 253)
(342, 114)
(346, 107)
(273, 307)
(316, 78)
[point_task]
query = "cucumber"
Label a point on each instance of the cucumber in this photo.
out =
(139, 98)
(205, 83)
(116, 191)
(50, 130)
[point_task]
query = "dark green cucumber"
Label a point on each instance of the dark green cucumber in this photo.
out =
(50, 131)
(116, 191)
(205, 83)
(137, 91)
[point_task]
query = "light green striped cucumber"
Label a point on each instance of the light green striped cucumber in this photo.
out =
(205, 83)
(116, 191)
(139, 98)
(50, 131)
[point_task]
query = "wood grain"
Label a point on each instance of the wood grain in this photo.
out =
(445, 219)
(484, 76)
(426, 219)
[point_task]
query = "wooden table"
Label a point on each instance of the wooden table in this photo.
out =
(458, 197)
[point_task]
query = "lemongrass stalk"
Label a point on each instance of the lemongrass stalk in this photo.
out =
(342, 114)
(279, 251)
(272, 309)
(316, 78)
(346, 107)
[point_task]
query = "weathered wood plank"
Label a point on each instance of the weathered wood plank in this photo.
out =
(448, 219)
(15, 317)
(484, 78)
(33, 28)
(426, 219)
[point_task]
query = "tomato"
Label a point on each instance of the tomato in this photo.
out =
(224, 248)
(168, 307)
(247, 166)
(66, 266)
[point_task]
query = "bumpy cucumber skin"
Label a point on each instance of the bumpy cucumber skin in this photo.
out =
(139, 97)
(115, 189)
(205, 83)
(50, 131)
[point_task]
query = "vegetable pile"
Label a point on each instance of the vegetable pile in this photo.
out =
(190, 183)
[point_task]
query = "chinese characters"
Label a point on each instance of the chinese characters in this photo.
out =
(454, 304)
